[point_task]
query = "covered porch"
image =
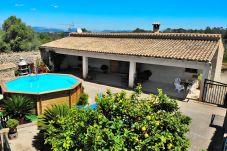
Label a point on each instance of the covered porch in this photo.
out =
(185, 51)
(97, 70)
(125, 72)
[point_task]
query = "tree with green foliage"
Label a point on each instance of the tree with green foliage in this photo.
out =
(18, 35)
(139, 30)
(122, 122)
(45, 37)
(3, 46)
(84, 30)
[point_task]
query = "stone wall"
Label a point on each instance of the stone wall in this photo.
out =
(7, 72)
(14, 57)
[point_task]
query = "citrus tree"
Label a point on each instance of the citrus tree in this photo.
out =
(122, 122)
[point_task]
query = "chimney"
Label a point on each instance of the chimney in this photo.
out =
(156, 27)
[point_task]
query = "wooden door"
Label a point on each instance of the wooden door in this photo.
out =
(114, 66)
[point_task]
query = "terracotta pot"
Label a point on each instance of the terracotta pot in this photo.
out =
(42, 69)
(12, 133)
(21, 121)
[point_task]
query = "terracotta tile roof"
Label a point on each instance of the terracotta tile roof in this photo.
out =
(199, 47)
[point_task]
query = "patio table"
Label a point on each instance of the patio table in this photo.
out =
(186, 83)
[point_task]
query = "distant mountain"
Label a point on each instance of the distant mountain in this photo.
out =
(44, 29)
(116, 31)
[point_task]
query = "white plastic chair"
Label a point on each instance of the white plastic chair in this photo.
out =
(177, 81)
(1, 96)
(177, 85)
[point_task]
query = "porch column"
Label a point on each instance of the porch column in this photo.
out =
(85, 67)
(132, 72)
(205, 75)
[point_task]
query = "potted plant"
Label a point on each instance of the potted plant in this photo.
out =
(42, 68)
(17, 73)
(12, 125)
(148, 74)
(104, 68)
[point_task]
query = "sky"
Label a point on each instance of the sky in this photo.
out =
(117, 14)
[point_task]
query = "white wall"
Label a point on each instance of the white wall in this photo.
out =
(218, 64)
(165, 74)
(213, 62)
(70, 61)
(97, 63)
(73, 61)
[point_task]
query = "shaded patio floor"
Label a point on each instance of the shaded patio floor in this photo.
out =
(121, 81)
(168, 88)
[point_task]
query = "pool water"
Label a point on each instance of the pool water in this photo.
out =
(41, 83)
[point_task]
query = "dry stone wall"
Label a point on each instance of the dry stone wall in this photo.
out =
(30, 57)
(7, 71)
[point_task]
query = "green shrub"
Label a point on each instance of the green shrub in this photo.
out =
(165, 103)
(51, 114)
(18, 106)
(12, 123)
(200, 77)
(122, 122)
(3, 46)
(83, 99)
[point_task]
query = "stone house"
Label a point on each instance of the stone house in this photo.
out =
(166, 56)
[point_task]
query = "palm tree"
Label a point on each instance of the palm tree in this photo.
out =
(52, 114)
(18, 106)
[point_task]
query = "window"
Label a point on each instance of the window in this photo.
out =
(190, 70)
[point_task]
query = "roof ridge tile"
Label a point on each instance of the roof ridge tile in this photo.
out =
(183, 36)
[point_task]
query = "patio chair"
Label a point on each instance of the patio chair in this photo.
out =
(177, 84)
(190, 87)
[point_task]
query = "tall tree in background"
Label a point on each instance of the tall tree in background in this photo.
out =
(18, 36)
(139, 30)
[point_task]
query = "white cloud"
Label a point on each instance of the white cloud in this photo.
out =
(33, 9)
(19, 5)
(54, 6)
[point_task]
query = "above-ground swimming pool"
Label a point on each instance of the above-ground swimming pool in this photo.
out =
(41, 83)
(46, 89)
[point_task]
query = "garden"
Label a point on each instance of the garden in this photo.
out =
(118, 122)
(16, 110)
